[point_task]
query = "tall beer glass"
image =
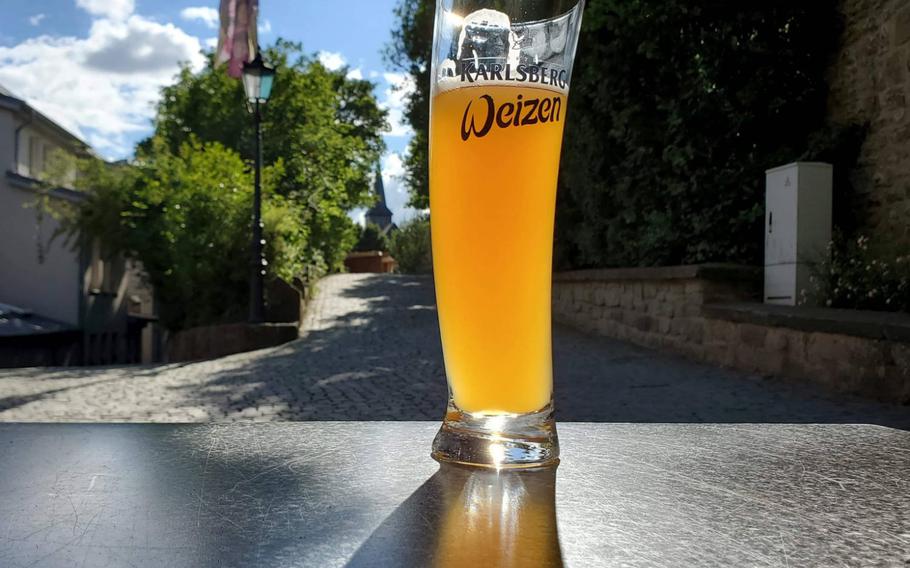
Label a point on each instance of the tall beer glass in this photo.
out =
(500, 77)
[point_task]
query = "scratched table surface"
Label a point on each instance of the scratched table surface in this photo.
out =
(367, 494)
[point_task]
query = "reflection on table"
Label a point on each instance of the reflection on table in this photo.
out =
(465, 516)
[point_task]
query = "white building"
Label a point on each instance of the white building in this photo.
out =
(103, 302)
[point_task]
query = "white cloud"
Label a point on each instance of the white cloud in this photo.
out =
(211, 42)
(399, 87)
(374, 74)
(112, 9)
(36, 19)
(208, 16)
(355, 74)
(396, 194)
(331, 59)
(104, 86)
(264, 28)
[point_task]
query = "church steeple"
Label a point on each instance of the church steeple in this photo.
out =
(379, 214)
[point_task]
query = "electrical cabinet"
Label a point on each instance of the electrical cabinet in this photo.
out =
(797, 228)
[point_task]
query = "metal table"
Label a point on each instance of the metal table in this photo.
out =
(367, 494)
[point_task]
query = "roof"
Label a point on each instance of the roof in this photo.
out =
(25, 182)
(10, 101)
(380, 209)
(16, 321)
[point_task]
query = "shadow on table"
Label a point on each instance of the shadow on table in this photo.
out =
(383, 361)
(470, 517)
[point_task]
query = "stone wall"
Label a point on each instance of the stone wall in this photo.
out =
(211, 341)
(870, 84)
(710, 313)
(653, 307)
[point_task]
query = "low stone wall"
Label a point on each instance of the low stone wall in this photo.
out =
(213, 341)
(372, 261)
(710, 313)
(865, 353)
(653, 307)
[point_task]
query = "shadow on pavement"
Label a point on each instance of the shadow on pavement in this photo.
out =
(381, 360)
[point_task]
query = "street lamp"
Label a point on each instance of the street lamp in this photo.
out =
(257, 84)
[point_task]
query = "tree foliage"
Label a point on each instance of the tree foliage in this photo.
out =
(371, 239)
(410, 51)
(410, 246)
(324, 127)
(183, 206)
(186, 216)
(675, 111)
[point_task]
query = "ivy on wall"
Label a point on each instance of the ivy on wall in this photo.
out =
(676, 110)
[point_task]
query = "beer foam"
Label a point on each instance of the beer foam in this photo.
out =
(445, 83)
(489, 51)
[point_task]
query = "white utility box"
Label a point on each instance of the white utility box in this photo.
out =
(797, 228)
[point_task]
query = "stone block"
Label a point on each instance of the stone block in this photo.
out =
(663, 308)
(612, 295)
(663, 325)
(645, 323)
(823, 348)
(777, 340)
(694, 288)
(675, 291)
(752, 335)
(631, 291)
(689, 310)
(900, 356)
(900, 27)
(719, 331)
(649, 290)
(600, 296)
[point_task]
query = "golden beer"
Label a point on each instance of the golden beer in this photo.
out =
(494, 158)
(500, 76)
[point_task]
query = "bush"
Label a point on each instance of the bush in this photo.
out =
(854, 276)
(676, 110)
(372, 238)
(186, 216)
(410, 246)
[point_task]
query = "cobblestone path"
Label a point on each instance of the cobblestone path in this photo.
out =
(370, 351)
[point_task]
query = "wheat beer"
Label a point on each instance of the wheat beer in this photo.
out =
(500, 80)
(494, 157)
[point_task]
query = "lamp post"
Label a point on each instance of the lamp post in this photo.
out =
(257, 84)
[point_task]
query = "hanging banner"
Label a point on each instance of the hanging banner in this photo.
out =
(237, 42)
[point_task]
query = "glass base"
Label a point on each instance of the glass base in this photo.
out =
(497, 440)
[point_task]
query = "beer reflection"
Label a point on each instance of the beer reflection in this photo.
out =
(497, 518)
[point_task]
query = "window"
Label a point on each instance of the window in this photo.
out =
(35, 156)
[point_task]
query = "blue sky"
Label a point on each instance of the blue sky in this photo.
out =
(96, 66)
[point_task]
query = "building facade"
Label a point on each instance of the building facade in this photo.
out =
(101, 300)
(870, 86)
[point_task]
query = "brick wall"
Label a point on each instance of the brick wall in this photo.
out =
(870, 83)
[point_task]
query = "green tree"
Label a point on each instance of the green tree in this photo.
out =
(183, 206)
(410, 246)
(185, 215)
(325, 128)
(409, 51)
(372, 238)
